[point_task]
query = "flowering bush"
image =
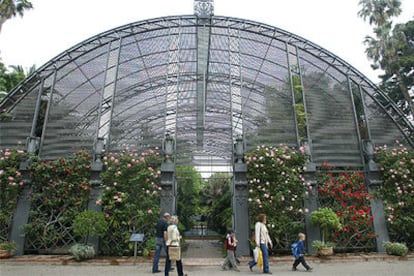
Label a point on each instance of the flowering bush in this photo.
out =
(130, 196)
(11, 185)
(347, 195)
(60, 191)
(397, 191)
(277, 188)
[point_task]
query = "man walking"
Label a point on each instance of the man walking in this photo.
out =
(161, 237)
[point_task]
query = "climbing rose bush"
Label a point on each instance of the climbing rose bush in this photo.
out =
(397, 191)
(347, 195)
(60, 191)
(277, 189)
(130, 197)
(11, 185)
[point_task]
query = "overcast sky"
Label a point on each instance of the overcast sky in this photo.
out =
(53, 26)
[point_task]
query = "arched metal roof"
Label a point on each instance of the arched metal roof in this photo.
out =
(205, 81)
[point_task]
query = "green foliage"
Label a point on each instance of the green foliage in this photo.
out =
(189, 185)
(82, 251)
(317, 244)
(150, 243)
(11, 183)
(395, 248)
(397, 173)
(11, 8)
(130, 197)
(216, 199)
(326, 219)
(8, 80)
(391, 49)
(6, 245)
(345, 193)
(61, 191)
(90, 223)
(275, 183)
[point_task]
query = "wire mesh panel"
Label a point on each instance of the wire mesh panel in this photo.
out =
(133, 83)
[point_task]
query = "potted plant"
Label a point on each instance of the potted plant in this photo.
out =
(328, 221)
(395, 248)
(87, 224)
(7, 249)
(149, 249)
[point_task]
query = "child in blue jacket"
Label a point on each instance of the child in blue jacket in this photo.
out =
(300, 256)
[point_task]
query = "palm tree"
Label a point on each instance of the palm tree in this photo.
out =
(383, 50)
(11, 8)
(379, 12)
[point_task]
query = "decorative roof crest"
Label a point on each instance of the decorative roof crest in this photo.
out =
(204, 8)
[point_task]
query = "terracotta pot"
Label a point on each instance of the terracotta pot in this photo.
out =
(6, 253)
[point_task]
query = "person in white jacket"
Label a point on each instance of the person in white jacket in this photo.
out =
(263, 241)
(173, 239)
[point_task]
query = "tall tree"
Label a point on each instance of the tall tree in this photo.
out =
(11, 8)
(8, 80)
(387, 49)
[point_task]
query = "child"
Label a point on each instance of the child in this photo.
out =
(300, 258)
(230, 260)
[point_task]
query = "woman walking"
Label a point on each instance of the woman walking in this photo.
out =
(263, 241)
(173, 240)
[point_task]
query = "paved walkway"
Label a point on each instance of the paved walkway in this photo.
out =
(203, 259)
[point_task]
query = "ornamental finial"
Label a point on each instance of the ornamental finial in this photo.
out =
(204, 8)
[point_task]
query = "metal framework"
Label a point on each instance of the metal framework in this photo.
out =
(207, 81)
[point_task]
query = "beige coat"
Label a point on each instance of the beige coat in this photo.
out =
(262, 234)
(174, 236)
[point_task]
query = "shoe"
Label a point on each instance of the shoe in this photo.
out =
(294, 269)
(157, 271)
(267, 272)
(309, 269)
(251, 268)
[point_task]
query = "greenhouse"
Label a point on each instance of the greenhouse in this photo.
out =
(205, 89)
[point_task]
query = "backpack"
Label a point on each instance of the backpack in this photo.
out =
(226, 243)
(295, 250)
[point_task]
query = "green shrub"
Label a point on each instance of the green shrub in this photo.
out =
(327, 220)
(82, 251)
(396, 248)
(317, 244)
(90, 223)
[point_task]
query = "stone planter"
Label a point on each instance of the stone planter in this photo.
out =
(325, 251)
(6, 253)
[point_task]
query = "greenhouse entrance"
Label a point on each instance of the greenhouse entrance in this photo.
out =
(202, 89)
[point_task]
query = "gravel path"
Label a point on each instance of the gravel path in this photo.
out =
(203, 258)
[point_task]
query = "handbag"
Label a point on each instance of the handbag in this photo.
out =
(174, 253)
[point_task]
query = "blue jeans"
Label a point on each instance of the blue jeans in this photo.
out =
(159, 246)
(265, 254)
